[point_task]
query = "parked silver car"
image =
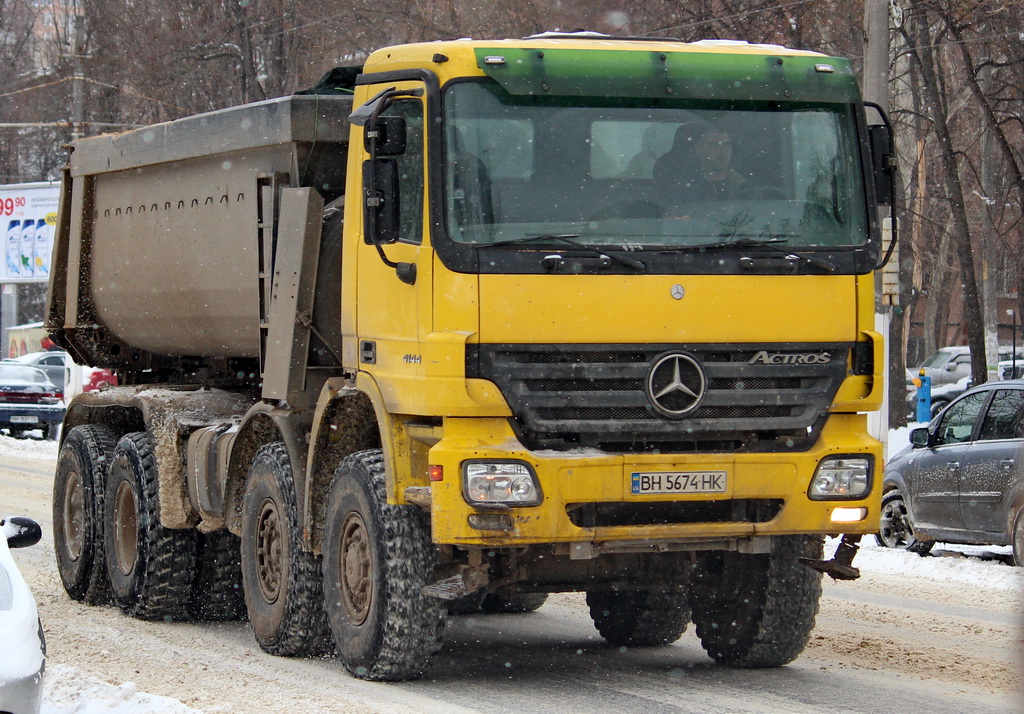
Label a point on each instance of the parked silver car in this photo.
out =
(962, 478)
(22, 646)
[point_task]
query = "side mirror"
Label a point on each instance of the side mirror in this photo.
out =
(385, 137)
(380, 209)
(920, 436)
(21, 532)
(882, 162)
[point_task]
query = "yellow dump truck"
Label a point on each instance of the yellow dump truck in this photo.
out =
(474, 323)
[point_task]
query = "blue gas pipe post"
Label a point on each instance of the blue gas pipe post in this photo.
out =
(924, 397)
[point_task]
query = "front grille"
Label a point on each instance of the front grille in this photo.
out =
(663, 513)
(563, 396)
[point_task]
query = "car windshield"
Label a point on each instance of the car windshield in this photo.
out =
(675, 177)
(16, 373)
(936, 359)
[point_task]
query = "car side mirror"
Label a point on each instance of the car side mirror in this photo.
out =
(920, 436)
(21, 532)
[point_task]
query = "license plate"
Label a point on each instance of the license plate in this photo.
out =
(679, 482)
(24, 419)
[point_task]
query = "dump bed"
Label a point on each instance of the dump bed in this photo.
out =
(164, 231)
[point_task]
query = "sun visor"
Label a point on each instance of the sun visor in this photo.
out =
(669, 75)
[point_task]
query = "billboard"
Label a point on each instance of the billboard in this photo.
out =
(28, 216)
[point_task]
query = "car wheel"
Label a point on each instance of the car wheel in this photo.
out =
(377, 559)
(78, 489)
(507, 600)
(757, 610)
(894, 529)
(151, 568)
(1018, 539)
(937, 406)
(640, 618)
(280, 580)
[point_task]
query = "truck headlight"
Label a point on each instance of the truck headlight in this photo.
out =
(512, 483)
(841, 478)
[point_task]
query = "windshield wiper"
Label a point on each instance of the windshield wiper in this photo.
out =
(567, 238)
(769, 243)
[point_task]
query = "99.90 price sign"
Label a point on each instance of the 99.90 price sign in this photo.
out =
(9, 204)
(28, 214)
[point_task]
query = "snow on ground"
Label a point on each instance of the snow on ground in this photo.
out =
(29, 448)
(68, 691)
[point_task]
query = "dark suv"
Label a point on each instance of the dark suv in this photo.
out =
(961, 481)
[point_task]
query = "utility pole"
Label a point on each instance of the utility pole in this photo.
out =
(876, 89)
(78, 79)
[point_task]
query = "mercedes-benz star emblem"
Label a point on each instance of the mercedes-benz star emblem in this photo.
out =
(675, 384)
(677, 292)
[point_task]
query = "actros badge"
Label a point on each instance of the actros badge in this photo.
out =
(675, 384)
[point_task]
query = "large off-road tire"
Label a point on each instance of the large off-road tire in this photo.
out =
(377, 559)
(280, 579)
(151, 568)
(507, 600)
(78, 490)
(757, 610)
(894, 529)
(217, 590)
(640, 618)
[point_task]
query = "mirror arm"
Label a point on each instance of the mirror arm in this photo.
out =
(406, 272)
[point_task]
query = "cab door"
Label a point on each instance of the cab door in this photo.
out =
(393, 312)
(993, 463)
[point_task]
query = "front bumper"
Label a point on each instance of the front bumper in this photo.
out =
(766, 494)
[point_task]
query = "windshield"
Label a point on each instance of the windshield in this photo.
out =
(648, 177)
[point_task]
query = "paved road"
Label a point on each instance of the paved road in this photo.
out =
(882, 644)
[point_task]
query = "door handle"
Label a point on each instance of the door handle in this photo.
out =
(1006, 464)
(953, 465)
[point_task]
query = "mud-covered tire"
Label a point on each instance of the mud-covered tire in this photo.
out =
(894, 527)
(151, 568)
(78, 490)
(280, 580)
(755, 611)
(377, 560)
(507, 601)
(217, 590)
(640, 618)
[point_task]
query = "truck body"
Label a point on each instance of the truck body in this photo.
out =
(462, 333)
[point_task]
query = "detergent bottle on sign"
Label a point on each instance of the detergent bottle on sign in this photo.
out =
(28, 242)
(41, 250)
(13, 246)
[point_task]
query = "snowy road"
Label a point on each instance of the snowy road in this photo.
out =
(937, 634)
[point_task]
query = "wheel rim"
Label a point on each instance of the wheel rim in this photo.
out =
(73, 520)
(269, 547)
(126, 521)
(894, 528)
(356, 569)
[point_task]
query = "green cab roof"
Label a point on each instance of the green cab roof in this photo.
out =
(658, 74)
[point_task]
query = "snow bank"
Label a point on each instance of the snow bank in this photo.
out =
(67, 691)
(28, 448)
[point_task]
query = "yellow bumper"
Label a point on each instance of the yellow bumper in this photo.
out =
(570, 479)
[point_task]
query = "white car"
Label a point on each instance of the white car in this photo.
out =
(22, 647)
